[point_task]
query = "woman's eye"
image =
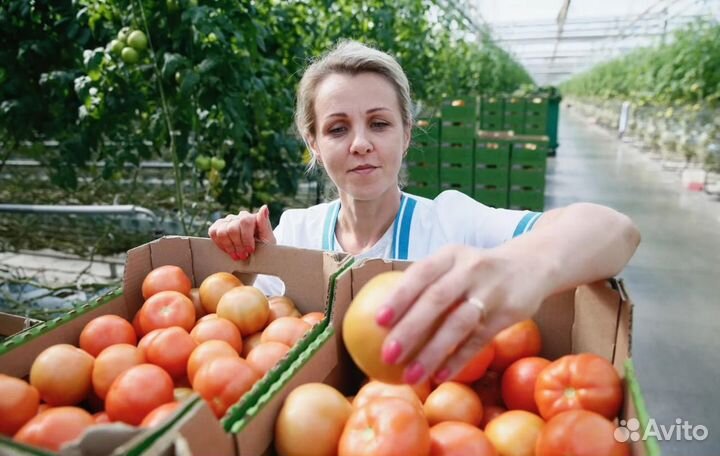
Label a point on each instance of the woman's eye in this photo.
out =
(380, 124)
(337, 130)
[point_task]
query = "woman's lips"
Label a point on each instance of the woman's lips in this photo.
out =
(364, 169)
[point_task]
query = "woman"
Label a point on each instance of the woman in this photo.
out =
(354, 113)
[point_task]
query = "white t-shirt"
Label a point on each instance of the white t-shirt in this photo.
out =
(421, 227)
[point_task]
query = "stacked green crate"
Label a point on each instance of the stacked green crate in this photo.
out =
(536, 115)
(423, 162)
(514, 115)
(528, 163)
(457, 144)
(491, 116)
(492, 169)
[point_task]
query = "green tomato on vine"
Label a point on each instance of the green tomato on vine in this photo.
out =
(217, 163)
(130, 55)
(202, 162)
(137, 40)
(123, 34)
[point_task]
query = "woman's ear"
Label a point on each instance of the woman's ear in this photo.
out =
(312, 145)
(407, 134)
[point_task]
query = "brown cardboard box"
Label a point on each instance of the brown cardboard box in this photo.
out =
(194, 429)
(593, 318)
(12, 324)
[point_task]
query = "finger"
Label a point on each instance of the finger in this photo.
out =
(265, 230)
(233, 230)
(454, 330)
(481, 336)
(218, 233)
(421, 320)
(412, 284)
(246, 222)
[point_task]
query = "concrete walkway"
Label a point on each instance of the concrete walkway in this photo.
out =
(673, 279)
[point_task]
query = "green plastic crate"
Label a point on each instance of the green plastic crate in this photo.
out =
(514, 105)
(468, 112)
(458, 131)
(531, 199)
(491, 196)
(493, 175)
(494, 123)
(423, 157)
(456, 175)
(423, 189)
(462, 187)
(427, 174)
(426, 130)
(456, 156)
(492, 105)
(527, 176)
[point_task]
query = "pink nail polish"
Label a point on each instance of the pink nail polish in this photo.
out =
(442, 375)
(234, 256)
(413, 373)
(391, 352)
(385, 316)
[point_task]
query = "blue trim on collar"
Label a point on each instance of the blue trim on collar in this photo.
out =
(328, 241)
(526, 223)
(405, 222)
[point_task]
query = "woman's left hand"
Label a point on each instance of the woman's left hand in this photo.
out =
(449, 306)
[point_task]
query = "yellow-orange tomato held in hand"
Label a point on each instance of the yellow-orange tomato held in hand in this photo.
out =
(311, 421)
(19, 402)
(245, 306)
(166, 278)
(363, 337)
(62, 374)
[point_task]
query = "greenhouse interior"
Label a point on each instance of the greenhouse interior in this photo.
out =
(228, 227)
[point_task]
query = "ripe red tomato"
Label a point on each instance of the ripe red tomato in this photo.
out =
(373, 389)
(315, 413)
(286, 330)
(166, 278)
(490, 412)
(62, 374)
(206, 351)
(112, 362)
(218, 329)
(160, 414)
(454, 438)
(137, 392)
(249, 343)
(266, 355)
(477, 366)
(223, 381)
(363, 337)
(214, 287)
(585, 381)
(385, 426)
(518, 383)
(19, 402)
(313, 317)
(452, 401)
(166, 309)
(515, 433)
(518, 341)
(54, 427)
(488, 388)
(104, 331)
(579, 433)
(171, 349)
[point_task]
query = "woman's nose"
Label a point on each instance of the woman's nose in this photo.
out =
(361, 144)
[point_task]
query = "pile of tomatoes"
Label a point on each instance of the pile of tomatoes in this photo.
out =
(218, 340)
(508, 401)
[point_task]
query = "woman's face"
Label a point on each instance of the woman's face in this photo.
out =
(359, 137)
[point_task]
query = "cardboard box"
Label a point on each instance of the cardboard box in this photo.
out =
(12, 324)
(194, 427)
(593, 318)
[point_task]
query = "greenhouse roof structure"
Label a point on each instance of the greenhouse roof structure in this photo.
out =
(554, 39)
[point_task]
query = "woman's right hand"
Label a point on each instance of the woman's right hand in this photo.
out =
(236, 234)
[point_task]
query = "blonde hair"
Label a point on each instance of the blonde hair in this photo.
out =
(352, 58)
